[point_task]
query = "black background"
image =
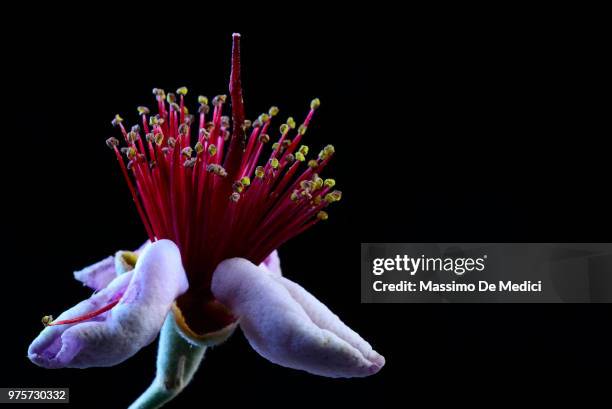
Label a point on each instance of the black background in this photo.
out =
(449, 125)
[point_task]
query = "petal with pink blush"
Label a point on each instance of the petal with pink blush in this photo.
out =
(307, 337)
(272, 264)
(99, 275)
(146, 295)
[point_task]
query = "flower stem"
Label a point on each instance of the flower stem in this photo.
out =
(177, 362)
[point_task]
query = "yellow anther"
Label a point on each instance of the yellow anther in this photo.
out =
(159, 138)
(182, 91)
(322, 215)
(294, 196)
(284, 128)
(313, 163)
(274, 163)
(306, 184)
(334, 196)
(246, 181)
(154, 120)
(187, 152)
(318, 183)
(302, 129)
(190, 163)
(216, 169)
(264, 138)
(143, 110)
(330, 183)
(238, 187)
(132, 136)
(300, 156)
(202, 100)
(273, 111)
(219, 99)
(263, 118)
(199, 148)
(317, 200)
(259, 172)
(291, 122)
(212, 150)
(116, 120)
(171, 98)
(46, 320)
(159, 92)
(130, 153)
(275, 145)
(304, 150)
(315, 103)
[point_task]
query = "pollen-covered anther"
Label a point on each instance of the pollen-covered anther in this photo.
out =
(303, 150)
(182, 91)
(116, 120)
(219, 99)
(171, 98)
(183, 129)
(142, 110)
(263, 118)
(330, 183)
(259, 172)
(187, 152)
(246, 181)
(112, 142)
(322, 215)
(199, 148)
(129, 152)
(237, 187)
(264, 138)
(132, 136)
(302, 129)
(291, 122)
(300, 156)
(274, 163)
(313, 164)
(334, 196)
(159, 92)
(159, 138)
(284, 128)
(46, 320)
(318, 182)
(273, 111)
(315, 103)
(171, 142)
(234, 197)
(202, 100)
(154, 120)
(212, 150)
(216, 169)
(190, 163)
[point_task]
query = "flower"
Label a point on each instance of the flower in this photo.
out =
(214, 217)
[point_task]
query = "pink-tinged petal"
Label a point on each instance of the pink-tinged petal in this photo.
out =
(325, 319)
(272, 264)
(282, 331)
(147, 293)
(99, 275)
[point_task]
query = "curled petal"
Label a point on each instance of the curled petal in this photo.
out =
(145, 296)
(288, 326)
(272, 264)
(99, 275)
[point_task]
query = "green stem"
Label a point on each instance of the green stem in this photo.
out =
(177, 361)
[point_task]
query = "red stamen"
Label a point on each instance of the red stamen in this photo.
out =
(85, 317)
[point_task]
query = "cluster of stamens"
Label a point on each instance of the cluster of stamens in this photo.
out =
(198, 178)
